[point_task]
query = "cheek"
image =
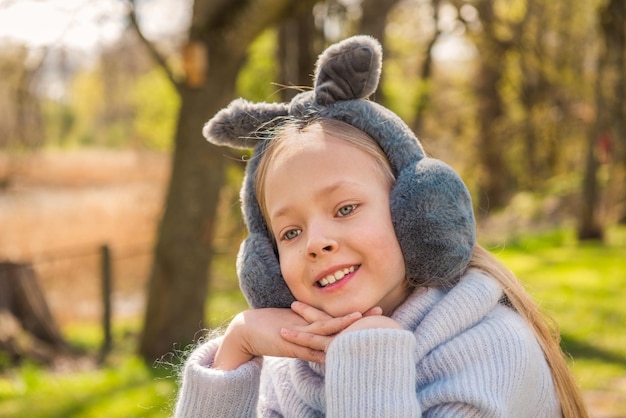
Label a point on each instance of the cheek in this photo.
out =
(289, 267)
(382, 235)
(387, 244)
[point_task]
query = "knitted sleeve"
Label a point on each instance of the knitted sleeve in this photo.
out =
(207, 392)
(371, 373)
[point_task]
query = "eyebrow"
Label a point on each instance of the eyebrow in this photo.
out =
(322, 192)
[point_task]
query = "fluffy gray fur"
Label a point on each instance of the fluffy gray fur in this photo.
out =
(431, 208)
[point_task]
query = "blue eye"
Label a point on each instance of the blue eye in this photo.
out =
(291, 234)
(346, 210)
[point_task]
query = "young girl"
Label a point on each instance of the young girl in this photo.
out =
(370, 297)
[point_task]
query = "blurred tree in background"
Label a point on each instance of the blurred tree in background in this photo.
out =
(520, 96)
(219, 37)
(21, 116)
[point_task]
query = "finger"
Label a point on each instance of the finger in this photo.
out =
(314, 356)
(376, 310)
(308, 354)
(308, 312)
(331, 326)
(306, 340)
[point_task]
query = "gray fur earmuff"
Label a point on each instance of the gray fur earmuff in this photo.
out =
(431, 208)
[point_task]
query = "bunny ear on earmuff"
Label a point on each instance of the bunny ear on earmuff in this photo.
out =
(348, 70)
(243, 124)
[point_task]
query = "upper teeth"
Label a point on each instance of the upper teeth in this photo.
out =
(336, 276)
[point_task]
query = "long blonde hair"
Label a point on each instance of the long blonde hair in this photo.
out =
(570, 398)
(567, 390)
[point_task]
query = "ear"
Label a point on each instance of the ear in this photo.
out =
(348, 70)
(243, 124)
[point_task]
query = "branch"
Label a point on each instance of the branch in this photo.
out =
(156, 55)
(249, 18)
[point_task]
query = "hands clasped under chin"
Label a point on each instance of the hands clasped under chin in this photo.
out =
(302, 332)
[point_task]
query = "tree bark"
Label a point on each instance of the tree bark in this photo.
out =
(27, 328)
(179, 279)
(589, 226)
(297, 38)
(494, 176)
(426, 69)
(609, 88)
(535, 92)
(613, 21)
(374, 22)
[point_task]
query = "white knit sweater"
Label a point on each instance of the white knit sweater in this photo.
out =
(461, 354)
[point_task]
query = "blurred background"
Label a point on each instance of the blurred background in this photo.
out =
(120, 224)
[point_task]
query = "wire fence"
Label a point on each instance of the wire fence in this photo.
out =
(93, 282)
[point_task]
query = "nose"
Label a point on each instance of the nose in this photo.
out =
(320, 242)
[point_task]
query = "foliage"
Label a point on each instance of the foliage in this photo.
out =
(60, 120)
(87, 105)
(546, 88)
(21, 117)
(256, 76)
(144, 115)
(156, 103)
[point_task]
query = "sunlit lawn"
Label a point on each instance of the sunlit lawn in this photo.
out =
(122, 387)
(127, 390)
(581, 286)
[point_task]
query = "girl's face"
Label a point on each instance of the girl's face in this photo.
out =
(328, 207)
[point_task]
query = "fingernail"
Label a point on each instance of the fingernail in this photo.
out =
(286, 331)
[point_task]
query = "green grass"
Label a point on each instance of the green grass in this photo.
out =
(582, 286)
(123, 386)
(128, 389)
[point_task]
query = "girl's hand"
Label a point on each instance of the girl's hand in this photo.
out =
(258, 332)
(323, 328)
(371, 322)
(311, 314)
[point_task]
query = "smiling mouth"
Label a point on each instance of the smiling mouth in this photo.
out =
(336, 276)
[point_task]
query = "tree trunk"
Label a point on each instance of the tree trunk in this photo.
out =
(297, 38)
(613, 20)
(423, 94)
(609, 90)
(373, 22)
(494, 176)
(27, 328)
(535, 92)
(589, 227)
(179, 279)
